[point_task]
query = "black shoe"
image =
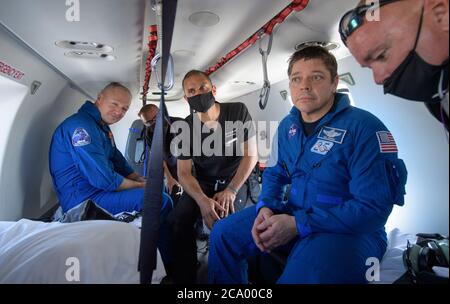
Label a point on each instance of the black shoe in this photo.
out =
(166, 280)
(203, 237)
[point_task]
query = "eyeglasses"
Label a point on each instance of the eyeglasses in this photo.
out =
(354, 18)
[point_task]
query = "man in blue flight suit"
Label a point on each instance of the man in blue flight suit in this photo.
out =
(345, 177)
(85, 163)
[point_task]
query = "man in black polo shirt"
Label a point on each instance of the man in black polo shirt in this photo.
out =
(221, 144)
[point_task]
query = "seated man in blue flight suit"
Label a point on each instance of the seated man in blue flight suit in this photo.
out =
(85, 163)
(345, 177)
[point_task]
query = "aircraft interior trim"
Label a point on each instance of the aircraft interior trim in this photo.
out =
(96, 96)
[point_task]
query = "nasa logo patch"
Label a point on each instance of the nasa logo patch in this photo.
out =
(293, 131)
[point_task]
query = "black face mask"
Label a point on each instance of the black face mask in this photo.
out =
(202, 103)
(151, 126)
(417, 80)
(149, 129)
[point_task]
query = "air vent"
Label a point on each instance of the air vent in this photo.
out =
(90, 55)
(284, 94)
(331, 46)
(243, 83)
(347, 78)
(204, 19)
(173, 95)
(84, 46)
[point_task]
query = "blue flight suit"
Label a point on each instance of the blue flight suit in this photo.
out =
(85, 164)
(345, 178)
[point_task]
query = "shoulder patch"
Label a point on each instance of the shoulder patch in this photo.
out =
(386, 142)
(80, 138)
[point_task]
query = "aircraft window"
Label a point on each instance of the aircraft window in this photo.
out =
(140, 146)
(13, 94)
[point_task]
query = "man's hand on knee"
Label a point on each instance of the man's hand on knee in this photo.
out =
(226, 200)
(259, 226)
(278, 230)
(209, 209)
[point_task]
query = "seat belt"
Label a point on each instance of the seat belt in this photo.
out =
(135, 148)
(153, 192)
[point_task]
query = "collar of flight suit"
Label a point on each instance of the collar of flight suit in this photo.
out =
(91, 110)
(342, 103)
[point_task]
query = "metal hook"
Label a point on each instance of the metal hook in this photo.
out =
(170, 74)
(269, 44)
(264, 95)
(265, 91)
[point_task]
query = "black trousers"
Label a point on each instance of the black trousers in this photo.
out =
(181, 222)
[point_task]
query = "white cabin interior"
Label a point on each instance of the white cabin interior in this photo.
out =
(205, 30)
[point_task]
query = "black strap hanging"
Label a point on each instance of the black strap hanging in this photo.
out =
(153, 193)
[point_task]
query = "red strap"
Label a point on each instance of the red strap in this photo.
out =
(152, 43)
(296, 5)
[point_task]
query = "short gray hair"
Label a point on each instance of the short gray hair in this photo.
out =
(113, 85)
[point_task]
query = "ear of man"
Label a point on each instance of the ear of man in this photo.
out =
(439, 9)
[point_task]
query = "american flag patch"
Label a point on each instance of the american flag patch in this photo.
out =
(387, 142)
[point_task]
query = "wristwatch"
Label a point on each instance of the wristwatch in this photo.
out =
(232, 189)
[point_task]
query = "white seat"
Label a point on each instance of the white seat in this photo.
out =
(392, 267)
(36, 252)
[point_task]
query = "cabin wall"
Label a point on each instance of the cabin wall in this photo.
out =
(27, 126)
(420, 138)
(121, 129)
(276, 108)
(267, 120)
